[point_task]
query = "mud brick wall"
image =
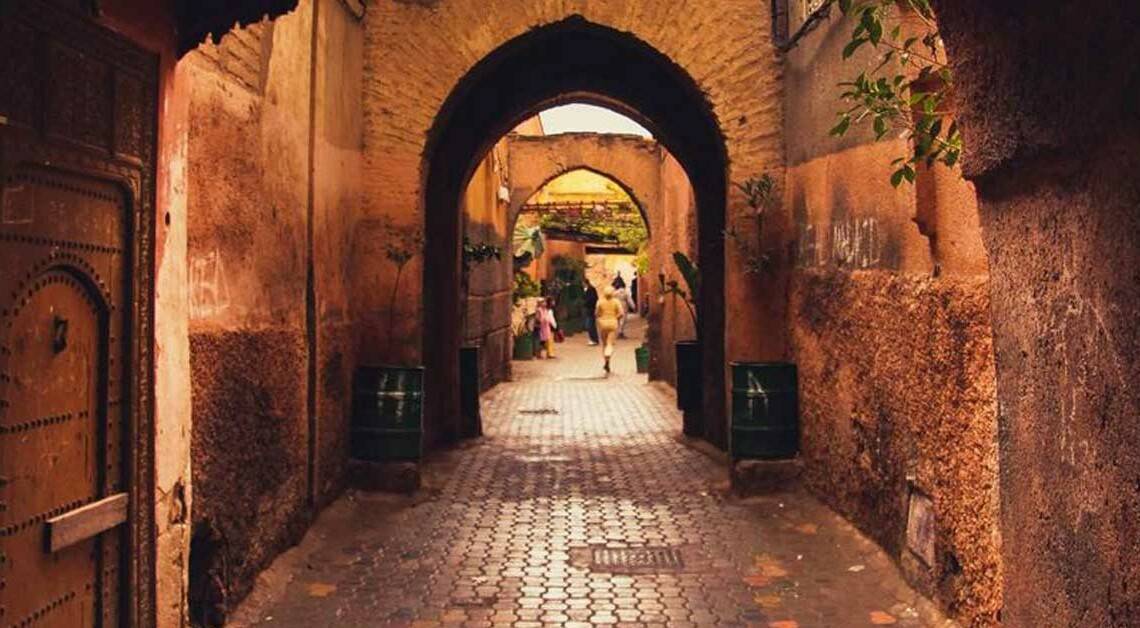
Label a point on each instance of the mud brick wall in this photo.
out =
(1053, 149)
(888, 309)
(273, 193)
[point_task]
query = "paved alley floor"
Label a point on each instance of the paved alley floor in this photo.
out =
(581, 506)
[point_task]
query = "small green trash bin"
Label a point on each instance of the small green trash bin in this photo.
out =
(642, 355)
(387, 413)
(765, 411)
(523, 347)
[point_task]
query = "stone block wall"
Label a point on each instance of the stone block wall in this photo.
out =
(489, 284)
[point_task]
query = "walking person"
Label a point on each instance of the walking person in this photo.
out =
(591, 303)
(622, 297)
(546, 324)
(618, 282)
(609, 313)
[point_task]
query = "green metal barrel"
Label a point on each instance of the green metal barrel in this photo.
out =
(387, 413)
(524, 347)
(641, 354)
(765, 410)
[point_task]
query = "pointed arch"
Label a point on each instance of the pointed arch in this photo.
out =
(568, 61)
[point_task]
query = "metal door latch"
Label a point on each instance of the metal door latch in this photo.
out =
(59, 334)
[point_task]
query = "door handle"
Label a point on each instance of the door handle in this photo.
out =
(59, 334)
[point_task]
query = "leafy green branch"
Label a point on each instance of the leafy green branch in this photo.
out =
(692, 276)
(401, 242)
(760, 193)
(475, 253)
(908, 89)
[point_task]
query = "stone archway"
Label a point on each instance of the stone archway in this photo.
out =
(522, 77)
(632, 162)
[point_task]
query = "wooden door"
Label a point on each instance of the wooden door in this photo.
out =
(76, 174)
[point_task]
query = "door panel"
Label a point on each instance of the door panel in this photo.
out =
(77, 150)
(61, 413)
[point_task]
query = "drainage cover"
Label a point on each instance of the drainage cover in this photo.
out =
(635, 559)
(539, 411)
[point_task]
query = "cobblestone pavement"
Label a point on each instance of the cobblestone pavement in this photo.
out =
(506, 532)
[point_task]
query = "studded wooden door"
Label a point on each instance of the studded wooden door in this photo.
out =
(76, 187)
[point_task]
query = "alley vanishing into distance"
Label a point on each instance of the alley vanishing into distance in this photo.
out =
(277, 278)
(575, 468)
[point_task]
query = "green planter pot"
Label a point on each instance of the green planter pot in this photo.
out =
(524, 347)
(765, 411)
(642, 355)
(387, 413)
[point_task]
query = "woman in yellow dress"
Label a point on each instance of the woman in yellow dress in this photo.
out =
(608, 313)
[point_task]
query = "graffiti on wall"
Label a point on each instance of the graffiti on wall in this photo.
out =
(854, 243)
(209, 291)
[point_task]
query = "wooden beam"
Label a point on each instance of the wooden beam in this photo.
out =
(87, 521)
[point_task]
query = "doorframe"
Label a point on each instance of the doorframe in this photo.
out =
(128, 160)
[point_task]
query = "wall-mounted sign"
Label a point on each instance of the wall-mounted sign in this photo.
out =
(920, 528)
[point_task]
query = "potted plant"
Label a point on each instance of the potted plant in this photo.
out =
(689, 368)
(641, 355)
(524, 338)
(765, 401)
(526, 289)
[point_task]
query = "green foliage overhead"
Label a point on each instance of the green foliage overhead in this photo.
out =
(525, 287)
(622, 226)
(641, 262)
(907, 91)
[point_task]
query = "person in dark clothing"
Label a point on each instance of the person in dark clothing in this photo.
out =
(633, 293)
(618, 283)
(591, 304)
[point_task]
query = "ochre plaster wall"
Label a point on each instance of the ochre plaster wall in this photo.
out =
(1053, 144)
(675, 230)
(274, 154)
(417, 53)
(888, 311)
